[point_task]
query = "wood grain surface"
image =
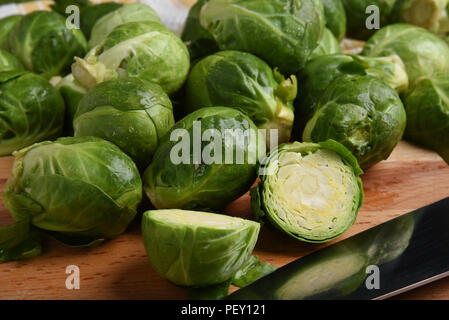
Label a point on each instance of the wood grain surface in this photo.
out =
(409, 179)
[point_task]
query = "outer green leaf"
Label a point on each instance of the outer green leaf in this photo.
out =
(335, 15)
(19, 241)
(327, 45)
(89, 15)
(7, 24)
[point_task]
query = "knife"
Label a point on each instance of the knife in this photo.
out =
(394, 257)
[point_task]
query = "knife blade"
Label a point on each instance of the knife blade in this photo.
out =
(386, 260)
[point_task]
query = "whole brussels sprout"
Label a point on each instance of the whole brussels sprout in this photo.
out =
(282, 32)
(89, 15)
(146, 50)
(422, 52)
(356, 16)
(32, 111)
(131, 12)
(327, 45)
(44, 44)
(191, 248)
(320, 72)
(242, 81)
(202, 179)
(335, 15)
(361, 112)
(79, 190)
(132, 113)
(6, 26)
(427, 107)
(310, 191)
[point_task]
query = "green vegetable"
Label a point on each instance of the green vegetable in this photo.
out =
(136, 49)
(310, 191)
(320, 72)
(335, 15)
(357, 17)
(221, 171)
(19, 241)
(361, 112)
(422, 52)
(242, 81)
(44, 44)
(60, 6)
(79, 190)
(191, 248)
(9, 64)
(132, 12)
(327, 45)
(89, 15)
(7, 24)
(427, 107)
(32, 110)
(282, 32)
(131, 113)
(252, 270)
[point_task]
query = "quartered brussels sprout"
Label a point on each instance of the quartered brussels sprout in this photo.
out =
(89, 15)
(242, 81)
(283, 33)
(320, 72)
(356, 15)
(335, 15)
(361, 112)
(131, 12)
(7, 24)
(133, 114)
(311, 191)
(191, 248)
(207, 160)
(44, 44)
(146, 50)
(79, 190)
(32, 110)
(422, 52)
(327, 45)
(427, 107)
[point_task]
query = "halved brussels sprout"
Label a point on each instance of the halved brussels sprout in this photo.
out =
(79, 190)
(320, 72)
(32, 110)
(146, 50)
(335, 15)
(7, 24)
(89, 15)
(242, 81)
(361, 112)
(132, 12)
(327, 45)
(311, 191)
(133, 114)
(427, 107)
(283, 33)
(44, 44)
(422, 52)
(191, 248)
(207, 160)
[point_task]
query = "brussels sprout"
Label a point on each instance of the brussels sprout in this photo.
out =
(80, 190)
(6, 26)
(283, 33)
(356, 16)
(327, 45)
(320, 72)
(202, 179)
(192, 248)
(131, 113)
(9, 63)
(422, 52)
(310, 191)
(44, 44)
(89, 15)
(361, 112)
(131, 12)
(335, 15)
(427, 107)
(32, 111)
(241, 80)
(136, 49)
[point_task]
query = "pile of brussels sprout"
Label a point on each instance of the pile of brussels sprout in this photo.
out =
(90, 116)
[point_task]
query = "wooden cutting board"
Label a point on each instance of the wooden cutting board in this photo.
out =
(409, 179)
